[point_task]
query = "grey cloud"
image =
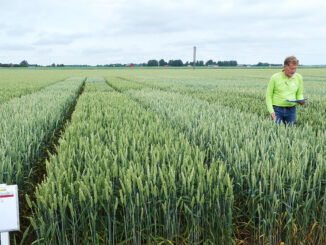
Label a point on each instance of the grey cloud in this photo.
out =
(19, 32)
(44, 51)
(16, 47)
(101, 51)
(59, 39)
(154, 18)
(14, 30)
(93, 30)
(157, 19)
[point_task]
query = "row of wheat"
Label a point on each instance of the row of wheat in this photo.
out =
(123, 174)
(278, 173)
(28, 123)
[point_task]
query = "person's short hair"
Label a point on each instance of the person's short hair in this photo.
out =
(291, 60)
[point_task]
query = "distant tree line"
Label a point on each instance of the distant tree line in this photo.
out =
(179, 62)
(150, 63)
(24, 63)
(267, 64)
(227, 63)
(57, 65)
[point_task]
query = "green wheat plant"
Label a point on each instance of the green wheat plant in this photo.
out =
(28, 123)
(278, 173)
(122, 174)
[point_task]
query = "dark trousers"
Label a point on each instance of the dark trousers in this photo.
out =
(285, 114)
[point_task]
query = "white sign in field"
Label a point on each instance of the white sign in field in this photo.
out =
(9, 209)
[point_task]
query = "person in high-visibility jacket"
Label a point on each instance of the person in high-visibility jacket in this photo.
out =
(283, 86)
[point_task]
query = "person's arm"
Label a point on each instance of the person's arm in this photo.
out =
(299, 94)
(269, 96)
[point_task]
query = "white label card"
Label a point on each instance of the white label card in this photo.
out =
(9, 208)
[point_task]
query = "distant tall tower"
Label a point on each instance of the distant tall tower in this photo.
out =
(194, 64)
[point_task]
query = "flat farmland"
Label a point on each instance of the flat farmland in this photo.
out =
(162, 156)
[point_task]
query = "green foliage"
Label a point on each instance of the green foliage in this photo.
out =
(271, 166)
(227, 63)
(171, 156)
(152, 63)
(16, 83)
(24, 63)
(175, 63)
(162, 62)
(123, 174)
(27, 124)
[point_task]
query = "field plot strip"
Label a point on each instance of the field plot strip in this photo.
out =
(251, 100)
(268, 165)
(97, 84)
(27, 124)
(166, 157)
(122, 174)
(16, 83)
(122, 84)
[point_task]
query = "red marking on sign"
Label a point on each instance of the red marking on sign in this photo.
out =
(6, 196)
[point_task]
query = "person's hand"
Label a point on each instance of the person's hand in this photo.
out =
(302, 102)
(273, 116)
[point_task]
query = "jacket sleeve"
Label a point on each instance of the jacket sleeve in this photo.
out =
(299, 94)
(269, 95)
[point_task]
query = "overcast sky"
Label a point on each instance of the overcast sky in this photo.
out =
(106, 31)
